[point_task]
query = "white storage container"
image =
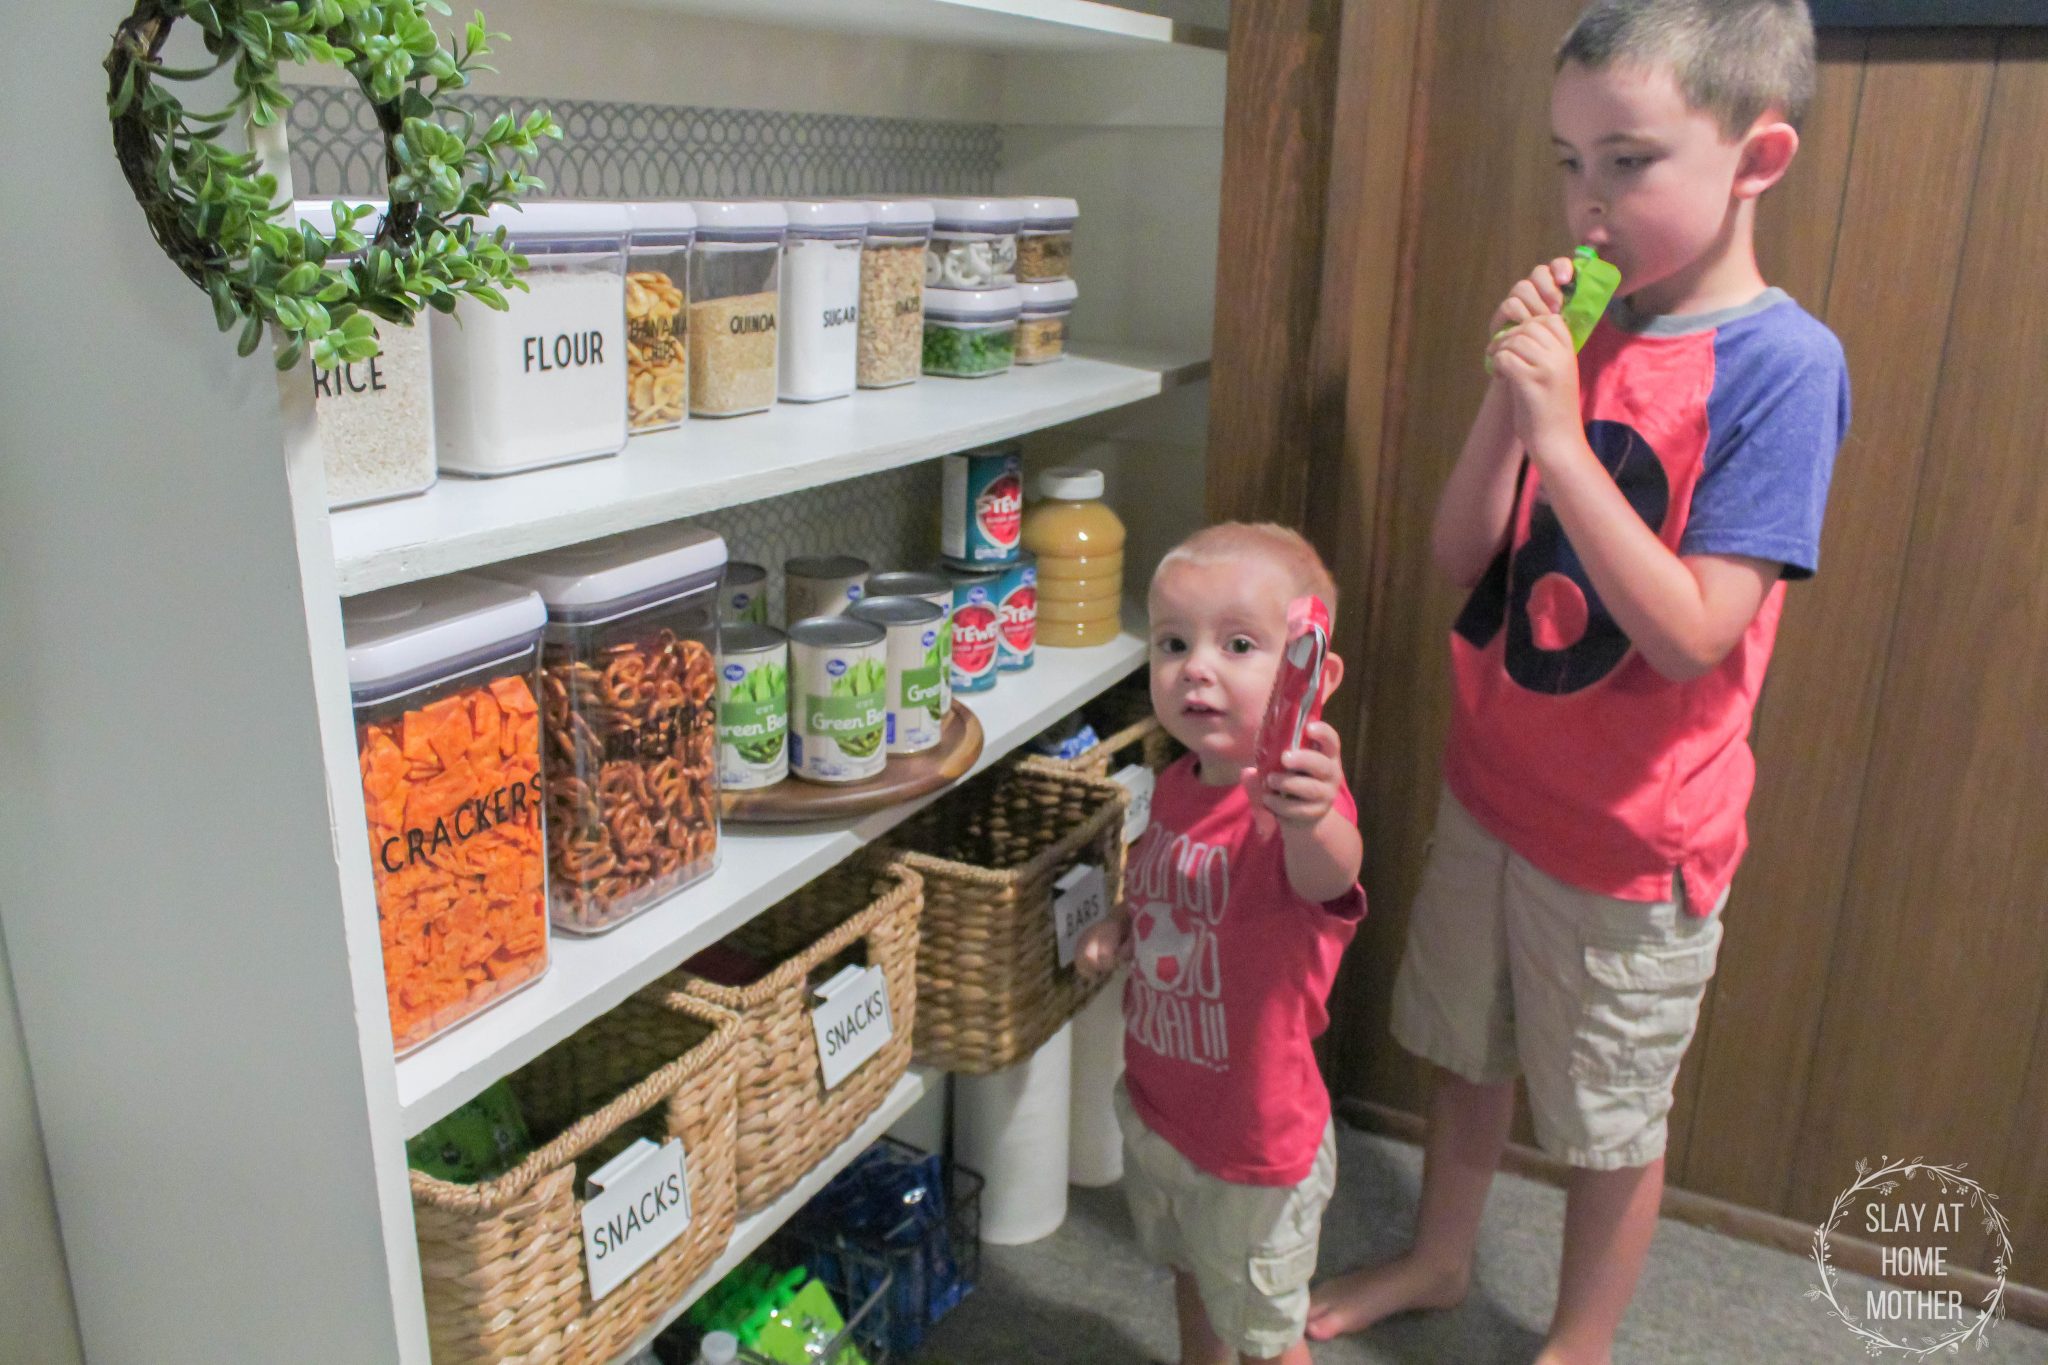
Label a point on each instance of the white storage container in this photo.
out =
(1042, 326)
(735, 306)
(375, 417)
(969, 333)
(892, 292)
(820, 298)
(974, 243)
(657, 314)
(543, 382)
(1045, 240)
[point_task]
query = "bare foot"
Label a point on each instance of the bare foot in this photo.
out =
(1355, 1301)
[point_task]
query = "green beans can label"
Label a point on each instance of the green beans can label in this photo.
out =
(753, 720)
(842, 699)
(918, 689)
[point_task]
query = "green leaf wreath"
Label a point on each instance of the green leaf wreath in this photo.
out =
(216, 213)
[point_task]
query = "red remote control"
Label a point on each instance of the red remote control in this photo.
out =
(1297, 700)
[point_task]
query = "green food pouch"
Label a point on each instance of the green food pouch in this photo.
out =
(1585, 298)
(483, 1138)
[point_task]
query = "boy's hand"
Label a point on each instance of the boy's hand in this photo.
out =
(1306, 791)
(1537, 363)
(1103, 946)
(1542, 292)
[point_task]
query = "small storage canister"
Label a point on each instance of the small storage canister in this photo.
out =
(1045, 241)
(969, 333)
(1042, 326)
(375, 417)
(448, 740)
(628, 682)
(974, 243)
(543, 382)
(735, 306)
(892, 292)
(657, 314)
(821, 298)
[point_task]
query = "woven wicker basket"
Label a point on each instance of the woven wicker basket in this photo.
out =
(990, 989)
(1130, 734)
(860, 912)
(503, 1260)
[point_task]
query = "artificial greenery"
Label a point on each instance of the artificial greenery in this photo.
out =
(216, 213)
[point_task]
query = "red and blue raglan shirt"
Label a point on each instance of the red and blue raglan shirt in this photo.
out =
(1721, 430)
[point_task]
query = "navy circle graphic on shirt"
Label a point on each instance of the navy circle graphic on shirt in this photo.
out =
(1561, 638)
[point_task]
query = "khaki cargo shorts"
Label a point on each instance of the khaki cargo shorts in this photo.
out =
(1591, 1000)
(1251, 1248)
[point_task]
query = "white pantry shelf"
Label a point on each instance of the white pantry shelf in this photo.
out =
(707, 464)
(1008, 26)
(757, 1227)
(758, 866)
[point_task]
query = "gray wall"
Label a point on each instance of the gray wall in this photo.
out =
(35, 1293)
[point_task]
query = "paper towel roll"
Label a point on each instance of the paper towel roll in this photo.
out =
(1011, 1125)
(1095, 1147)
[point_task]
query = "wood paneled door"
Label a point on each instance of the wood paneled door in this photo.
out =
(1883, 987)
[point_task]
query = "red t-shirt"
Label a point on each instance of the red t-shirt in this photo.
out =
(1229, 985)
(1721, 431)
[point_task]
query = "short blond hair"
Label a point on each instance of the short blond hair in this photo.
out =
(1732, 59)
(1280, 546)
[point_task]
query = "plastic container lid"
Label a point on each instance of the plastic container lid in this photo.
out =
(557, 219)
(412, 633)
(1050, 212)
(586, 582)
(1070, 483)
(902, 213)
(826, 217)
(740, 220)
(720, 1348)
(978, 215)
(661, 218)
(1048, 296)
(973, 305)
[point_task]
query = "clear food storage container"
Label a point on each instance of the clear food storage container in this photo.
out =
(448, 741)
(892, 292)
(969, 333)
(543, 382)
(735, 306)
(1045, 239)
(657, 313)
(974, 243)
(375, 417)
(820, 298)
(1042, 326)
(628, 681)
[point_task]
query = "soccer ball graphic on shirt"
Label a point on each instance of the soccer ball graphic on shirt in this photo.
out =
(1164, 938)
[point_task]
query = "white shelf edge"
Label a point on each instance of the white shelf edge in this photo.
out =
(983, 25)
(756, 1228)
(466, 523)
(1175, 366)
(759, 866)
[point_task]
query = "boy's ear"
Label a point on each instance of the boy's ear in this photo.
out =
(1766, 155)
(1333, 673)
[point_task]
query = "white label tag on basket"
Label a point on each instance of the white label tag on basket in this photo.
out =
(1080, 899)
(852, 1021)
(1139, 781)
(638, 1203)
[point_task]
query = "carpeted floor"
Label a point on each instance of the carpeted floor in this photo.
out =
(1084, 1296)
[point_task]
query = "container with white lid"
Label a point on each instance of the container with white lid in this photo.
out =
(820, 298)
(1042, 326)
(974, 243)
(543, 382)
(892, 292)
(628, 693)
(657, 313)
(735, 305)
(969, 333)
(375, 417)
(1045, 241)
(448, 740)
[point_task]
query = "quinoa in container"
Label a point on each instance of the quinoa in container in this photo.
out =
(735, 306)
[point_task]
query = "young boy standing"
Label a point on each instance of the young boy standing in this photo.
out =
(1238, 904)
(1626, 520)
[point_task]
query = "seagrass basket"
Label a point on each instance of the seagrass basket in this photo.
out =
(864, 913)
(990, 989)
(502, 1260)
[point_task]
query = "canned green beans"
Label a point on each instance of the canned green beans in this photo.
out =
(838, 708)
(753, 707)
(935, 588)
(919, 688)
(744, 595)
(822, 585)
